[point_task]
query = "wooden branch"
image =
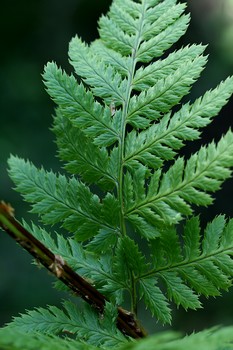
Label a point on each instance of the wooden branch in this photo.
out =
(126, 322)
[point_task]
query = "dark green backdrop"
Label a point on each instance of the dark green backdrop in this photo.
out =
(34, 32)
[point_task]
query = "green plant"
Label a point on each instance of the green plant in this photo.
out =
(129, 232)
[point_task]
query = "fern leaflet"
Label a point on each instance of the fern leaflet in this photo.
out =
(198, 266)
(58, 199)
(167, 196)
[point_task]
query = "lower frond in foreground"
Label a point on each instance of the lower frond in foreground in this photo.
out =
(210, 339)
(84, 325)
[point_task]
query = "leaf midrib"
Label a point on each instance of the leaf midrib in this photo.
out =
(125, 108)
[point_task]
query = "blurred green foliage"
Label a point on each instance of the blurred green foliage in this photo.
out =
(34, 32)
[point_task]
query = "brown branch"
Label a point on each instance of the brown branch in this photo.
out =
(126, 322)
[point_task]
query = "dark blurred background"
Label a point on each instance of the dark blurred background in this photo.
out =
(34, 32)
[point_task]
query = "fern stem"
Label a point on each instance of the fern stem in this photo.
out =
(133, 295)
(131, 73)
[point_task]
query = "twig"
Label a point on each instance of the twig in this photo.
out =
(126, 322)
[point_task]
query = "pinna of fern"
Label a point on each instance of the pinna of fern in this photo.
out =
(116, 129)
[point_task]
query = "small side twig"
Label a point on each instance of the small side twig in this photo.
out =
(126, 322)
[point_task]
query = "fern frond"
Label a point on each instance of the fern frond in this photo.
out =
(114, 33)
(215, 338)
(147, 76)
(168, 197)
(121, 18)
(115, 128)
(57, 199)
(103, 79)
(157, 45)
(166, 93)
(78, 105)
(202, 264)
(160, 141)
(114, 58)
(85, 325)
(155, 300)
(159, 17)
(82, 157)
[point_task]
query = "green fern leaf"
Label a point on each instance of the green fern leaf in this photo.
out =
(155, 300)
(116, 129)
(157, 45)
(179, 292)
(84, 325)
(129, 259)
(212, 235)
(104, 80)
(204, 267)
(183, 184)
(128, 264)
(159, 141)
(160, 17)
(173, 251)
(114, 58)
(112, 29)
(227, 237)
(166, 93)
(83, 158)
(58, 200)
(147, 76)
(215, 338)
(191, 238)
(114, 34)
(122, 19)
(78, 105)
(102, 242)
